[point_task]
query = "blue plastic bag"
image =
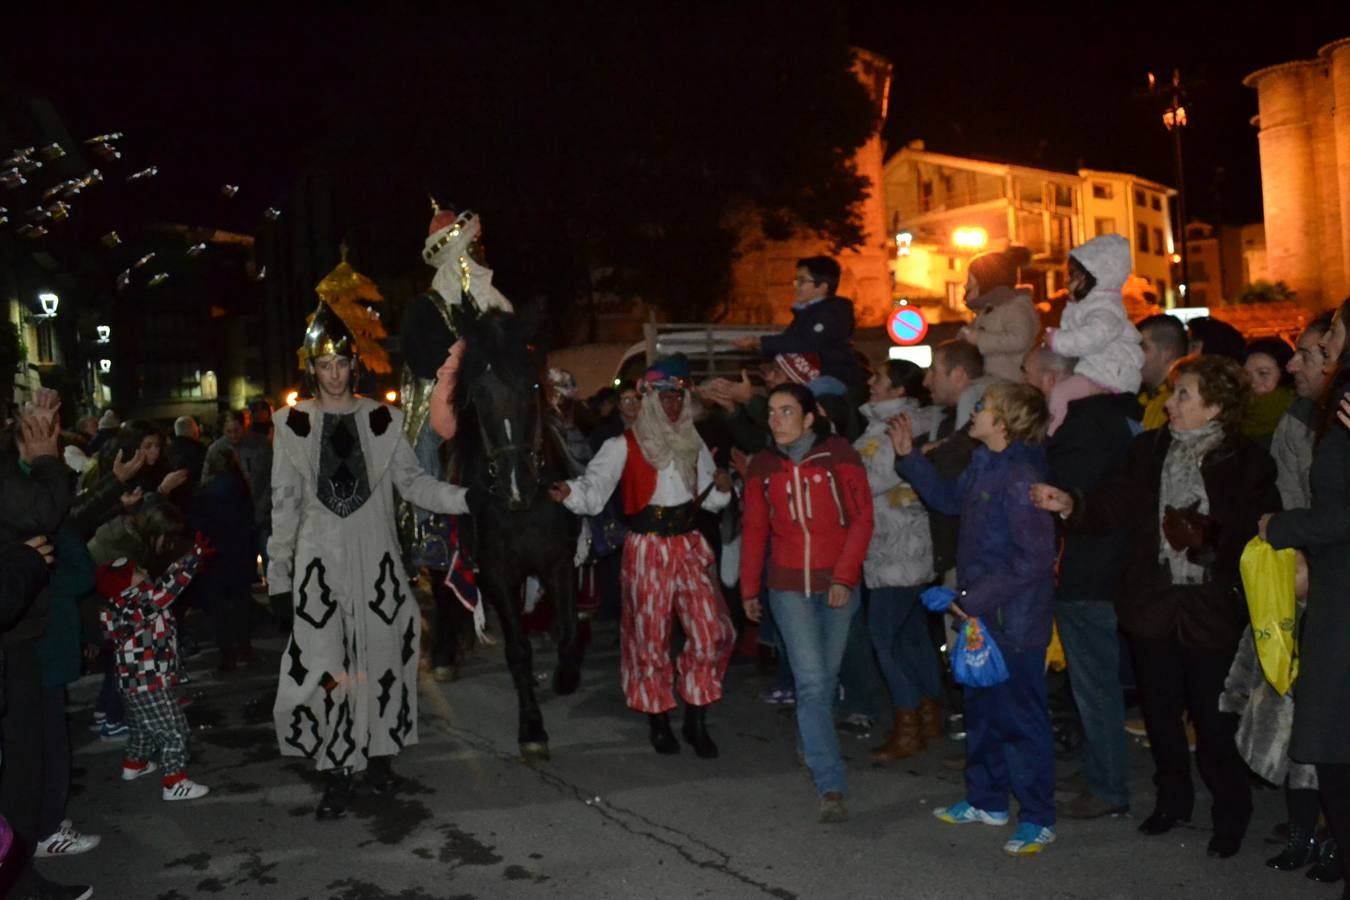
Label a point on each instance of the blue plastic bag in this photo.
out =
(976, 659)
(937, 598)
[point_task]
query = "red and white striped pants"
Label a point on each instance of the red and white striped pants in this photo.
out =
(661, 576)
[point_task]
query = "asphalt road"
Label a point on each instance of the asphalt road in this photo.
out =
(605, 818)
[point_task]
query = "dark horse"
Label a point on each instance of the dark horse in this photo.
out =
(506, 449)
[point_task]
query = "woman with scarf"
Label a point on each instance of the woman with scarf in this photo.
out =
(1189, 496)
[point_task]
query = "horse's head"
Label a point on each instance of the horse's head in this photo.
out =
(499, 390)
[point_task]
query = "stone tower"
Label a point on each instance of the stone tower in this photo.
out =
(1304, 121)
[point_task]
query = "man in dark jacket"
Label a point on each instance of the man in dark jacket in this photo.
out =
(822, 323)
(186, 451)
(1091, 441)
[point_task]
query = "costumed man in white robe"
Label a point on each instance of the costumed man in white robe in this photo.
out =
(665, 472)
(347, 696)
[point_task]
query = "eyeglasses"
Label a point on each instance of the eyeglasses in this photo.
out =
(979, 406)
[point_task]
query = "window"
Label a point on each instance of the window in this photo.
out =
(1030, 192)
(1064, 196)
(1197, 298)
(1162, 287)
(1158, 242)
(1198, 271)
(1103, 226)
(1101, 191)
(46, 352)
(1156, 202)
(1140, 199)
(1141, 238)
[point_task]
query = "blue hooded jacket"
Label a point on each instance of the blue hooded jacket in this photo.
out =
(1005, 554)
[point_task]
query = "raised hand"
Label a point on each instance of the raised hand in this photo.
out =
(125, 469)
(901, 432)
(37, 437)
(173, 481)
(43, 545)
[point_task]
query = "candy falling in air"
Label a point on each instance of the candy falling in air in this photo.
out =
(59, 211)
(38, 214)
(104, 138)
(147, 172)
(124, 279)
(111, 239)
(28, 165)
(51, 152)
(196, 249)
(271, 214)
(11, 179)
(158, 279)
(229, 190)
(143, 260)
(31, 231)
(262, 273)
(106, 152)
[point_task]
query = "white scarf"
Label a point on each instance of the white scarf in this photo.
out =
(663, 441)
(1183, 484)
(458, 273)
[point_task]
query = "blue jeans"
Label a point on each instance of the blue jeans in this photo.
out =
(1009, 744)
(769, 634)
(1087, 628)
(858, 674)
(815, 636)
(899, 628)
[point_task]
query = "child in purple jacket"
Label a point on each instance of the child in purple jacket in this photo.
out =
(1005, 562)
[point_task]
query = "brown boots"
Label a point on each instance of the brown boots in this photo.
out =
(930, 718)
(906, 739)
(913, 728)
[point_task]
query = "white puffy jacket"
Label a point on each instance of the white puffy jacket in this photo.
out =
(900, 553)
(1096, 330)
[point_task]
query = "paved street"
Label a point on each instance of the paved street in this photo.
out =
(605, 818)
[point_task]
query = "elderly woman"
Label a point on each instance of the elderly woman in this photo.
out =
(1189, 496)
(1322, 532)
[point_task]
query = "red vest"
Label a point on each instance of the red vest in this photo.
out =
(638, 481)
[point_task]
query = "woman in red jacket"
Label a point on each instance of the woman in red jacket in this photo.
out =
(810, 492)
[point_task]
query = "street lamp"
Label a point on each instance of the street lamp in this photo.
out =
(1174, 120)
(105, 366)
(104, 333)
(49, 303)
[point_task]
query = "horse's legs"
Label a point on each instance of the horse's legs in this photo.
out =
(504, 591)
(562, 587)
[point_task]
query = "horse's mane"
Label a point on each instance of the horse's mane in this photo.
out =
(498, 339)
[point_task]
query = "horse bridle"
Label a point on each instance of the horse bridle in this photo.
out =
(493, 453)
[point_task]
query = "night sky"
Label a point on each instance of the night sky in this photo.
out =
(238, 98)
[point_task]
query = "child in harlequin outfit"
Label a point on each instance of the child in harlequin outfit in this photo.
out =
(136, 619)
(1005, 568)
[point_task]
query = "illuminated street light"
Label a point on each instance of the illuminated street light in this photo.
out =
(292, 398)
(391, 396)
(104, 333)
(105, 366)
(49, 303)
(970, 238)
(903, 240)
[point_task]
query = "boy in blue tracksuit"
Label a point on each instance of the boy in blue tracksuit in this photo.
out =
(1005, 562)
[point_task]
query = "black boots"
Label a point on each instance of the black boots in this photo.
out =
(663, 739)
(1327, 869)
(337, 795)
(695, 731)
(380, 776)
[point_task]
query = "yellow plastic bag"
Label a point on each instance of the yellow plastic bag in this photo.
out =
(1268, 580)
(1054, 654)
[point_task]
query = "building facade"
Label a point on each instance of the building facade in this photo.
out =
(943, 209)
(1304, 135)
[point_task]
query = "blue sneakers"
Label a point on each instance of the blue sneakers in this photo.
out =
(113, 731)
(963, 814)
(1029, 839)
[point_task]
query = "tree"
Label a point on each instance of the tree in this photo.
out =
(1262, 291)
(599, 139)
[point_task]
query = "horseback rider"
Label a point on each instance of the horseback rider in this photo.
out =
(665, 472)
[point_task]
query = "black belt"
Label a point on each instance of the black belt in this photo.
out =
(664, 521)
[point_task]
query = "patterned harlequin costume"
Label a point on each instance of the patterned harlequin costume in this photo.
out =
(667, 563)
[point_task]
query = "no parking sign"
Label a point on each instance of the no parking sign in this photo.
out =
(907, 326)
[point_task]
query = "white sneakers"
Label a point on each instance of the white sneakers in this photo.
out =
(130, 774)
(187, 789)
(65, 841)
